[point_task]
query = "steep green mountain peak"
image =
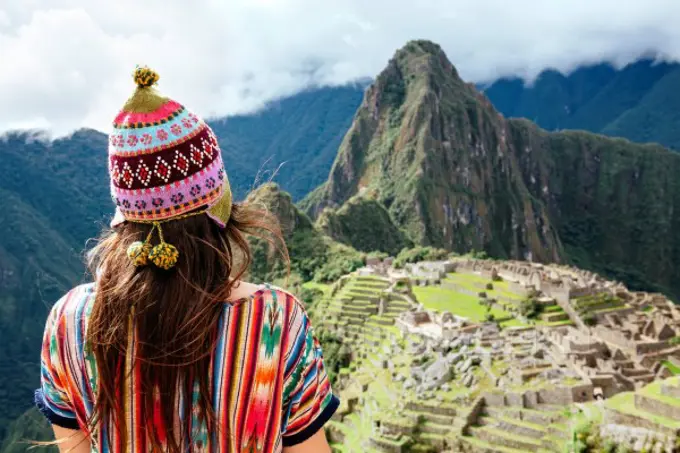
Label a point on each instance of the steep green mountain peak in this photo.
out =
(453, 173)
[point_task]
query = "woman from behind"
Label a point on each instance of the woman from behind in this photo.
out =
(168, 350)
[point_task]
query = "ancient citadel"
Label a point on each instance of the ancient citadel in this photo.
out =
(549, 344)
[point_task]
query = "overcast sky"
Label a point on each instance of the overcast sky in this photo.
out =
(66, 64)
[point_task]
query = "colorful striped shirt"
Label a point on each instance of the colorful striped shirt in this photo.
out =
(269, 385)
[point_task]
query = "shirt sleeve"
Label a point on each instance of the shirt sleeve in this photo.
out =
(52, 397)
(309, 401)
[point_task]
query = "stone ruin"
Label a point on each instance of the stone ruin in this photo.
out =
(633, 336)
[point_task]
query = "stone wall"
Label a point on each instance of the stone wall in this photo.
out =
(582, 292)
(337, 286)
(518, 288)
(585, 346)
(437, 410)
(569, 310)
(386, 446)
(532, 398)
(495, 399)
(397, 428)
(582, 393)
(620, 418)
(607, 383)
(623, 311)
(657, 407)
(615, 337)
(670, 390)
(651, 346)
(475, 411)
(560, 293)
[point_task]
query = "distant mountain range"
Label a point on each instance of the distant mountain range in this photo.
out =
(422, 159)
(640, 102)
(294, 140)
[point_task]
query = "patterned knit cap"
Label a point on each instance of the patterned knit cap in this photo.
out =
(164, 161)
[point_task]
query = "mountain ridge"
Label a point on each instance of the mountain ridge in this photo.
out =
(637, 101)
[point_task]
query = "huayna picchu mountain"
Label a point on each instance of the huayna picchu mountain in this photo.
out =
(454, 173)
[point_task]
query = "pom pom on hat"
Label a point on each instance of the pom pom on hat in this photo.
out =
(138, 252)
(164, 255)
(145, 77)
(145, 99)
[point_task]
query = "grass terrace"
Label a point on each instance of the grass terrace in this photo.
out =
(597, 304)
(443, 299)
(325, 288)
(633, 405)
(671, 367)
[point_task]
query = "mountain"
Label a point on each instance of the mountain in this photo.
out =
(313, 255)
(29, 428)
(52, 200)
(293, 140)
(454, 173)
(639, 101)
(365, 224)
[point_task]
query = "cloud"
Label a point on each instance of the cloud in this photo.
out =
(68, 65)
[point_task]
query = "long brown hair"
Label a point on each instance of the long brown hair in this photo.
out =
(174, 315)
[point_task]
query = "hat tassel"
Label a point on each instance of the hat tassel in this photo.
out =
(163, 255)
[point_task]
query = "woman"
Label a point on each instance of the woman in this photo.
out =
(169, 350)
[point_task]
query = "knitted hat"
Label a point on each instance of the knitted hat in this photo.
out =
(164, 161)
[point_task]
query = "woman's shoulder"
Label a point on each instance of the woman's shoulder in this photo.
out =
(270, 297)
(272, 294)
(74, 304)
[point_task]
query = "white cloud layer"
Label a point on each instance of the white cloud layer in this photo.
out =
(66, 64)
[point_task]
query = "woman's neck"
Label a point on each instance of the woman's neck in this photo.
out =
(242, 290)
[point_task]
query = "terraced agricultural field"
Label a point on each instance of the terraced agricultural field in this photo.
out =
(441, 299)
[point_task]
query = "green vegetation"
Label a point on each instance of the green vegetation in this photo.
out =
(637, 102)
(530, 308)
(46, 218)
(310, 295)
(417, 254)
(364, 224)
(313, 256)
(614, 212)
(442, 299)
(324, 288)
(29, 428)
(336, 354)
(673, 368)
(625, 404)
